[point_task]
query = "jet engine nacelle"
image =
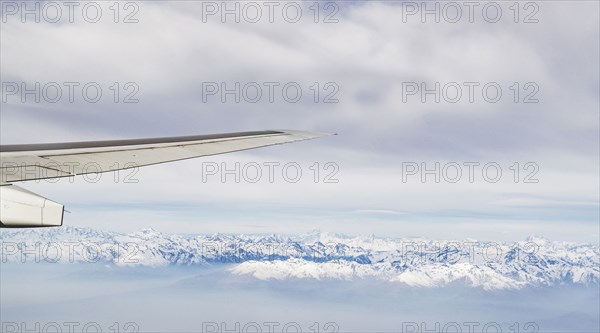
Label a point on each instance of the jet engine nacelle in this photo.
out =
(20, 208)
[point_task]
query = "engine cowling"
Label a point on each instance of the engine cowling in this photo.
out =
(20, 208)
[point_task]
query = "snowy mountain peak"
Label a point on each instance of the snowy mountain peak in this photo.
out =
(414, 262)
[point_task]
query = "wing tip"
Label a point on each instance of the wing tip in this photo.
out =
(306, 134)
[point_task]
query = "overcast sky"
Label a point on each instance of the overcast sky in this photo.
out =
(365, 58)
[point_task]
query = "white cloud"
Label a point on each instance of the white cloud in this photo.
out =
(369, 53)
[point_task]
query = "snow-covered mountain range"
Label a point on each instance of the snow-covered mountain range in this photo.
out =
(322, 256)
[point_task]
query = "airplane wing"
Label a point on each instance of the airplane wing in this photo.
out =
(20, 208)
(43, 161)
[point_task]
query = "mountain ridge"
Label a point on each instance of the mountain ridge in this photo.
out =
(418, 262)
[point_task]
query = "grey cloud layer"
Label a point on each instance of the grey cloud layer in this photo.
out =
(369, 53)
